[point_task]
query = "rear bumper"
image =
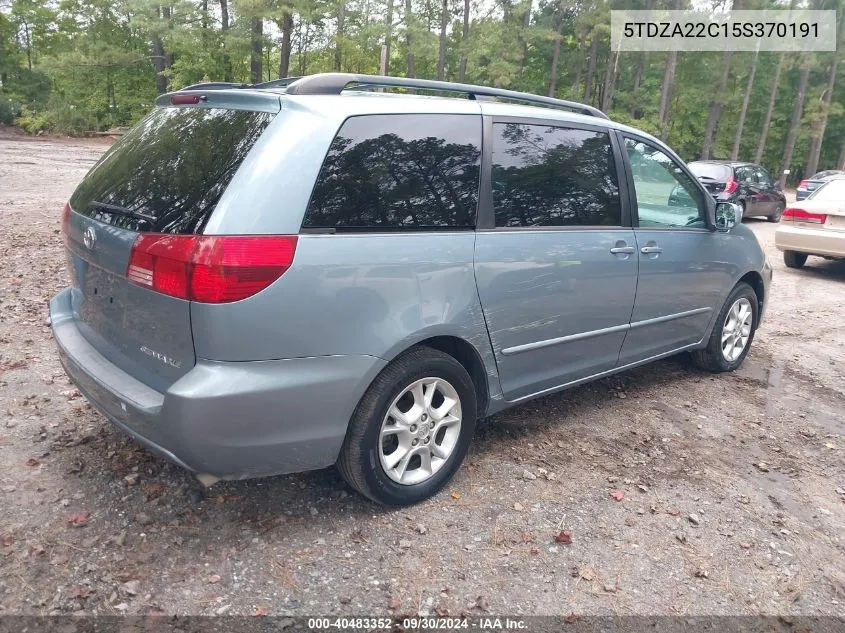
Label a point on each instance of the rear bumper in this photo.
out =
(813, 241)
(233, 420)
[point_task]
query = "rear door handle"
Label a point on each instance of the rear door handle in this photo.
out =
(651, 249)
(616, 250)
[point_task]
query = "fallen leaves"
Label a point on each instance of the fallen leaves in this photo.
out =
(587, 573)
(213, 579)
(617, 495)
(78, 519)
(32, 462)
(262, 610)
(81, 591)
(455, 495)
(564, 537)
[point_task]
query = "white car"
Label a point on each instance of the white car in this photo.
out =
(814, 226)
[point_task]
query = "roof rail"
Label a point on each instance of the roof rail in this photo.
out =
(276, 83)
(335, 83)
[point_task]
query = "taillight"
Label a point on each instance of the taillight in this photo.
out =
(803, 184)
(209, 268)
(800, 215)
(731, 185)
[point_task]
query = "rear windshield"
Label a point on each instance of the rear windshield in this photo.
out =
(832, 190)
(826, 174)
(167, 174)
(710, 171)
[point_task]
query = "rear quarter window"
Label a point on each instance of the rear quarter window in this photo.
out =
(170, 170)
(399, 172)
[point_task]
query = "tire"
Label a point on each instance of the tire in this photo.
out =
(776, 217)
(712, 358)
(793, 259)
(363, 462)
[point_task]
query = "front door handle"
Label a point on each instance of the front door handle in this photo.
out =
(617, 250)
(651, 249)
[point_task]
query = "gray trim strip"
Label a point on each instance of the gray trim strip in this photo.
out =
(518, 349)
(609, 372)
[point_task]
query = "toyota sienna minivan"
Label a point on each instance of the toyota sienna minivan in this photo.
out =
(282, 277)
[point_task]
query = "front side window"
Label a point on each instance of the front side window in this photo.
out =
(666, 196)
(763, 177)
(395, 172)
(553, 176)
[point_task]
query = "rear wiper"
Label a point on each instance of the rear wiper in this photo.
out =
(113, 208)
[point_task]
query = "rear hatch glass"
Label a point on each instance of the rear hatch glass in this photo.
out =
(712, 175)
(165, 176)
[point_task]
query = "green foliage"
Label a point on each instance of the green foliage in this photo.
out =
(77, 66)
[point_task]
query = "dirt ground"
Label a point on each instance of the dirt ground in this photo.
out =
(734, 486)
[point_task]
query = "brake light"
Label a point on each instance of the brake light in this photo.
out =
(800, 215)
(209, 268)
(186, 99)
(803, 184)
(731, 185)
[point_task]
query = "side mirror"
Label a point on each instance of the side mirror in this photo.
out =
(728, 215)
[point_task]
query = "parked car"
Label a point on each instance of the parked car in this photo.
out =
(808, 186)
(272, 279)
(746, 184)
(815, 227)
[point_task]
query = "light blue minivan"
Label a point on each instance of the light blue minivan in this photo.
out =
(276, 278)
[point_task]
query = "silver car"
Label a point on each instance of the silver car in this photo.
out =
(275, 278)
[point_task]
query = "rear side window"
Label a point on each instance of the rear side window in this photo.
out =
(553, 176)
(168, 173)
(405, 171)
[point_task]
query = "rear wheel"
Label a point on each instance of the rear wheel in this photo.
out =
(793, 259)
(733, 333)
(777, 215)
(411, 430)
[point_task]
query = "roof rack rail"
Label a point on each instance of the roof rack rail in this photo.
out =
(335, 83)
(276, 83)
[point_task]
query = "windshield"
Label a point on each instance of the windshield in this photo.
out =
(832, 190)
(168, 173)
(711, 171)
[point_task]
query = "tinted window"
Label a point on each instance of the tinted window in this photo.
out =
(666, 196)
(553, 176)
(172, 167)
(399, 172)
(763, 177)
(711, 171)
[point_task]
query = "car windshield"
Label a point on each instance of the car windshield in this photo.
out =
(711, 171)
(833, 190)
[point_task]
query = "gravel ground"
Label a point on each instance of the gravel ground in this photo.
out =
(731, 488)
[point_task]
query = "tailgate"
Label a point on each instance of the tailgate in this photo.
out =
(164, 178)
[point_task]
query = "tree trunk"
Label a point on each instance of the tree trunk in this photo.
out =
(256, 39)
(160, 64)
(741, 123)
(666, 92)
(284, 57)
(795, 122)
(462, 68)
(609, 82)
(820, 125)
(841, 163)
(764, 131)
(579, 63)
(341, 25)
(591, 68)
(716, 106)
(388, 36)
(409, 38)
(523, 43)
(555, 58)
(224, 27)
(441, 57)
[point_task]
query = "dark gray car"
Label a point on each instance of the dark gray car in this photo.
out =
(273, 279)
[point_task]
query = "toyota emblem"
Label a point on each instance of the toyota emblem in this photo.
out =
(89, 238)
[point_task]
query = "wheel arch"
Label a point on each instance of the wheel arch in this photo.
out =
(755, 280)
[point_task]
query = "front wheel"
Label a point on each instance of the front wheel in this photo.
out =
(411, 430)
(733, 333)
